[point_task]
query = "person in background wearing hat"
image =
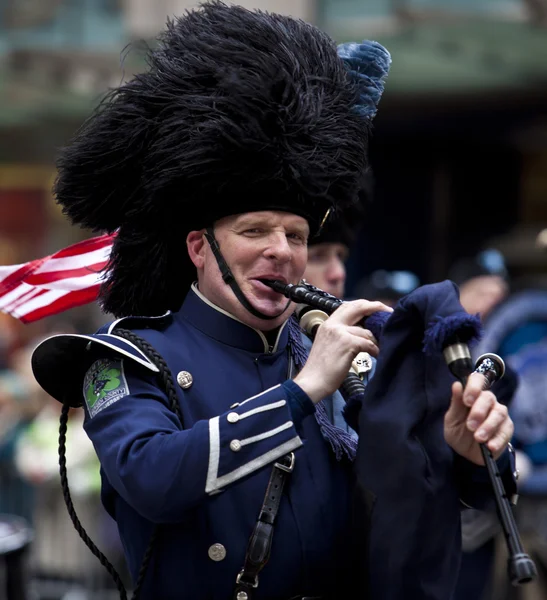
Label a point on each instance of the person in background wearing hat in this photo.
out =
(386, 286)
(483, 283)
(217, 165)
(326, 267)
(329, 250)
(483, 286)
(482, 280)
(515, 327)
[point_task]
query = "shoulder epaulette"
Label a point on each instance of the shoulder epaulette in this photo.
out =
(60, 362)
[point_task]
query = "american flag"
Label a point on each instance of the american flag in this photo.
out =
(47, 286)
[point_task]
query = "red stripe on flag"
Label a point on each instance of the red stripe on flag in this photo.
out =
(51, 276)
(95, 243)
(22, 300)
(15, 278)
(69, 300)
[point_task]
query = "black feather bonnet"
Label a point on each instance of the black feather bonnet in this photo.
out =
(238, 111)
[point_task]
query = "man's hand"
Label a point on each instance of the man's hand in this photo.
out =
(475, 416)
(337, 343)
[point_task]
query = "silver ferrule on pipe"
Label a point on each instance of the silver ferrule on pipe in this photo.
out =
(456, 352)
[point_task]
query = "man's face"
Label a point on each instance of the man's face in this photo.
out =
(482, 294)
(257, 245)
(325, 268)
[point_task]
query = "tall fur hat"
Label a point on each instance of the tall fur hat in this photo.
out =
(238, 111)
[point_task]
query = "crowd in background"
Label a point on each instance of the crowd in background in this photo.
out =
(31, 498)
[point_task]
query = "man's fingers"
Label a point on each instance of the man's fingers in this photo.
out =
(361, 332)
(362, 340)
(457, 411)
(480, 410)
(498, 443)
(352, 312)
(473, 388)
(492, 424)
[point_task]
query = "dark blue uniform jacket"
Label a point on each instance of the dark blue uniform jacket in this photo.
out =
(204, 481)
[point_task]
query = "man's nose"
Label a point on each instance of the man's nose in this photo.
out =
(278, 248)
(336, 270)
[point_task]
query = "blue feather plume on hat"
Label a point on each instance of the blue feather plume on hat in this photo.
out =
(368, 64)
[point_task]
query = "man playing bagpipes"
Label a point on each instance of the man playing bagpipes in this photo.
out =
(220, 461)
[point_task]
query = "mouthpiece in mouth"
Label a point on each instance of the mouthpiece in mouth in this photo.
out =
(278, 286)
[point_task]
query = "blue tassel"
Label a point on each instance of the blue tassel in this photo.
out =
(468, 327)
(368, 64)
(341, 442)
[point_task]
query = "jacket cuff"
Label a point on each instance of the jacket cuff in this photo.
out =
(253, 434)
(299, 402)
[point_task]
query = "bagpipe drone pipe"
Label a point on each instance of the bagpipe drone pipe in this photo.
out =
(410, 484)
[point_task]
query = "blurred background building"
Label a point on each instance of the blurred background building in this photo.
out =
(459, 150)
(460, 144)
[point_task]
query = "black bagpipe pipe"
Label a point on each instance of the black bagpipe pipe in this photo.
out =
(431, 328)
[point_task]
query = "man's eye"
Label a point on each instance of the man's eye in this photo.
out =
(254, 231)
(297, 237)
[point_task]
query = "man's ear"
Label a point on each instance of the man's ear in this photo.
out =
(195, 242)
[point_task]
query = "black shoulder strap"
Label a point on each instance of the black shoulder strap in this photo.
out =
(260, 542)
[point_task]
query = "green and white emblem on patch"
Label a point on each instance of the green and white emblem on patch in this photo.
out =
(104, 384)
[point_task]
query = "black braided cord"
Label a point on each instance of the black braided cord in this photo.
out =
(170, 390)
(158, 360)
(70, 506)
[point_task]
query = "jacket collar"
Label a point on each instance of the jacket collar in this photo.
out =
(220, 325)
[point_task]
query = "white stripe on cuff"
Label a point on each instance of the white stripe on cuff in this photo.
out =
(266, 434)
(260, 409)
(257, 395)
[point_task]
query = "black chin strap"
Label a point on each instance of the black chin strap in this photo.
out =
(229, 278)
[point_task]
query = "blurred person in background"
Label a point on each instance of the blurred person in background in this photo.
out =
(517, 331)
(484, 286)
(19, 405)
(59, 563)
(386, 286)
(483, 281)
(326, 267)
(541, 240)
(58, 554)
(329, 250)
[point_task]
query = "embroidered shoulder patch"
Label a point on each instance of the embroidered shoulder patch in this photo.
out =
(104, 384)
